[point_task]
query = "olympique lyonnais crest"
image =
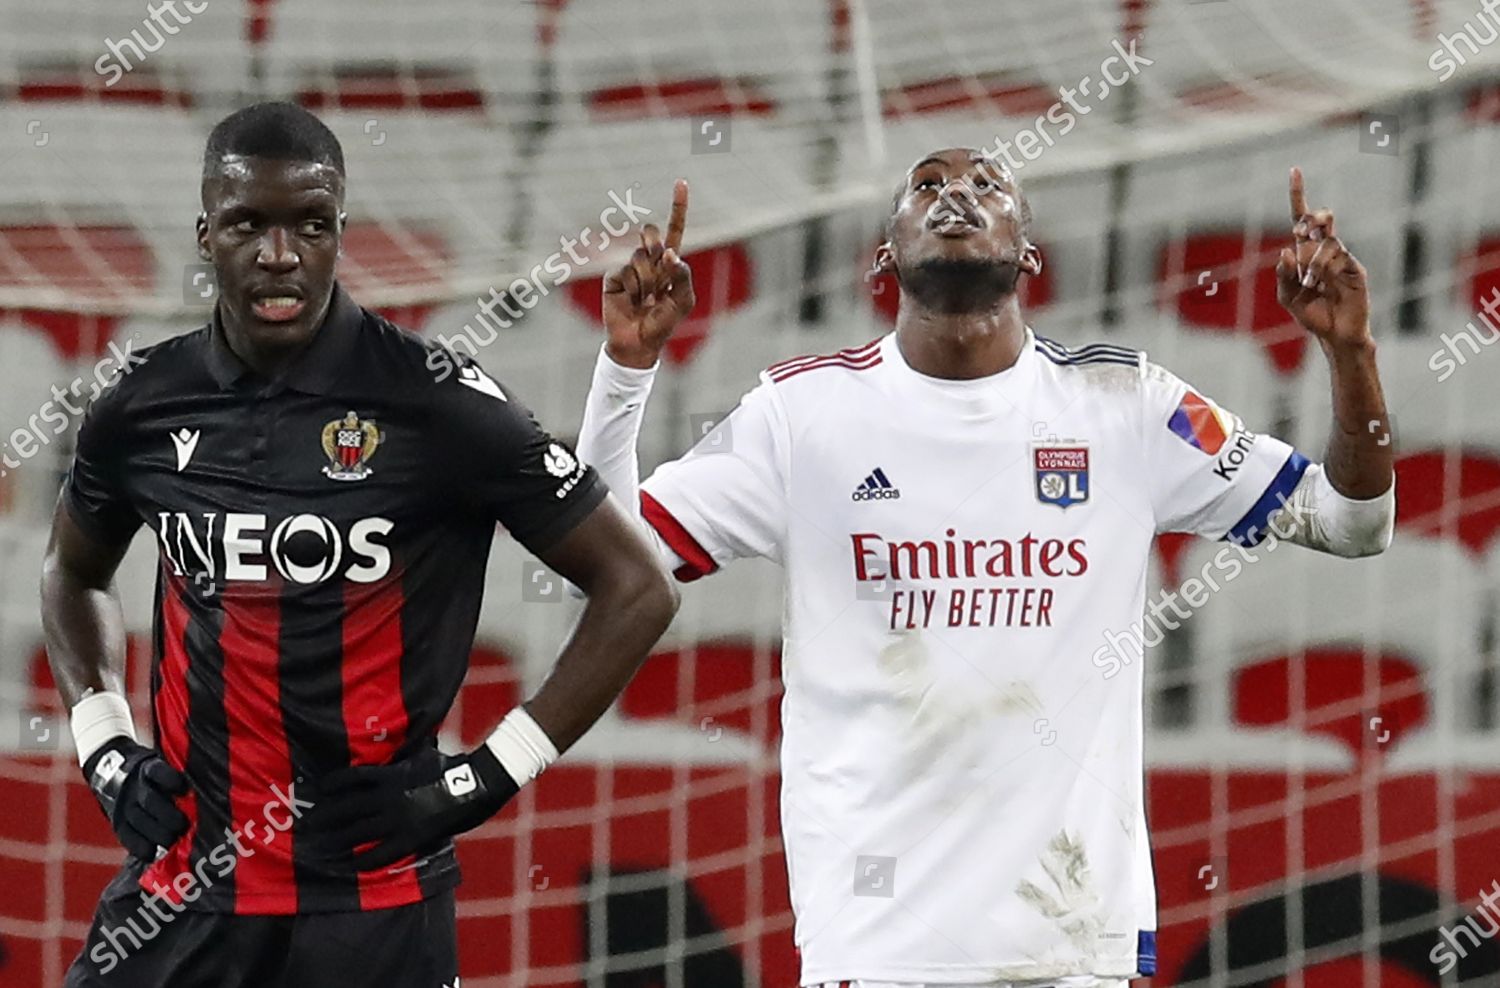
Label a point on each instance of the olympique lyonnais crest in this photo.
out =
(349, 443)
(1062, 474)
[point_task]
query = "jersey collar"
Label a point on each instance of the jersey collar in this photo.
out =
(317, 370)
(1018, 370)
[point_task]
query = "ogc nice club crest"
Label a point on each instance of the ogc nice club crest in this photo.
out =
(349, 443)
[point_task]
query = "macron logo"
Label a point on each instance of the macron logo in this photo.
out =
(876, 487)
(478, 380)
(186, 442)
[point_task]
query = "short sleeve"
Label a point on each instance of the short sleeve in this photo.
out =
(503, 464)
(95, 490)
(1209, 474)
(725, 499)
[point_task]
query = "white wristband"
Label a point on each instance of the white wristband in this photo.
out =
(521, 746)
(97, 719)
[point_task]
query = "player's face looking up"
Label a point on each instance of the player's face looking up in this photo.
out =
(959, 227)
(272, 229)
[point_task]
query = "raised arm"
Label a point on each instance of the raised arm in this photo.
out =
(644, 300)
(719, 501)
(1327, 291)
(1350, 501)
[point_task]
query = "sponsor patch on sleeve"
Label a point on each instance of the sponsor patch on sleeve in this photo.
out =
(1200, 423)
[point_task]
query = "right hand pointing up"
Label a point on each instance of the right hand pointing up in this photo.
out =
(646, 298)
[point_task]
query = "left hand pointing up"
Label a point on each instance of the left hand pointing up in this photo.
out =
(1318, 281)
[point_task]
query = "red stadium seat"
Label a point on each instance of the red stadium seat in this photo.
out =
(204, 59)
(707, 96)
(117, 233)
(984, 95)
(1421, 602)
(1168, 553)
(1478, 272)
(142, 87)
(1226, 282)
(1335, 691)
(640, 61)
(363, 89)
(104, 266)
(491, 688)
(633, 80)
(394, 57)
(1450, 494)
(394, 258)
(1008, 70)
(43, 699)
(720, 684)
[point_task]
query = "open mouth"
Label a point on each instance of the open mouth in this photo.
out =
(949, 220)
(277, 307)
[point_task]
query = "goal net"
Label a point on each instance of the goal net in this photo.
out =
(1323, 758)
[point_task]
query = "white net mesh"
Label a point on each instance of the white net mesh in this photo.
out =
(1323, 781)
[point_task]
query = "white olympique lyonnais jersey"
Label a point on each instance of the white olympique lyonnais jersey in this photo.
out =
(961, 776)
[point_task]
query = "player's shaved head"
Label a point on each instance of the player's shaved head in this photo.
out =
(279, 131)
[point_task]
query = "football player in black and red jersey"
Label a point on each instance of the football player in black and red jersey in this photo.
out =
(324, 510)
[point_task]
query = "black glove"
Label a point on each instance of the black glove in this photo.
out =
(137, 789)
(406, 807)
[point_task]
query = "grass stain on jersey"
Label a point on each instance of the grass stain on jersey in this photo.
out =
(1071, 903)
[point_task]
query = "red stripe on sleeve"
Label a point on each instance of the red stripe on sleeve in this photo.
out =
(862, 363)
(375, 717)
(853, 351)
(170, 706)
(260, 762)
(696, 561)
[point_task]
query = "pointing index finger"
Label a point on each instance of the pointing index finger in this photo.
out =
(1299, 195)
(678, 220)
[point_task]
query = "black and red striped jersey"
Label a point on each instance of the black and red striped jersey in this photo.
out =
(323, 541)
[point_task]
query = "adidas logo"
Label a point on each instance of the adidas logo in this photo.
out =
(877, 487)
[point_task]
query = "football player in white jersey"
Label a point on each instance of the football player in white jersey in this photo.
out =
(962, 781)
